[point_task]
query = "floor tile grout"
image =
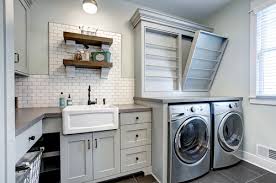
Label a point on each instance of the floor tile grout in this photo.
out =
(257, 177)
(252, 170)
(227, 177)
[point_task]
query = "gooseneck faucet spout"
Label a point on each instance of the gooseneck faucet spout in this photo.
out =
(89, 99)
(89, 91)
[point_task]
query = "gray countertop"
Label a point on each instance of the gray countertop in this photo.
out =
(172, 100)
(27, 117)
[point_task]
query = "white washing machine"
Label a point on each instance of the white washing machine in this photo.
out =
(228, 133)
(189, 144)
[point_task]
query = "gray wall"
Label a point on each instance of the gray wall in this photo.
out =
(233, 75)
(113, 16)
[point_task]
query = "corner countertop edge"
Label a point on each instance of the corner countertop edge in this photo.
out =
(27, 117)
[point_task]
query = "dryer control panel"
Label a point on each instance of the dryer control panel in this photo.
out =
(222, 107)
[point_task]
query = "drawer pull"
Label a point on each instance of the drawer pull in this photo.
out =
(137, 135)
(88, 144)
(137, 158)
(31, 138)
(137, 118)
(16, 57)
(96, 143)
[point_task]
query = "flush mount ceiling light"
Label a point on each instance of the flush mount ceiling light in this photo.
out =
(90, 6)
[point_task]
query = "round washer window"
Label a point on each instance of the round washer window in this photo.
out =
(231, 132)
(191, 140)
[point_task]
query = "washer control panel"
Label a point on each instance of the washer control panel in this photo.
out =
(180, 111)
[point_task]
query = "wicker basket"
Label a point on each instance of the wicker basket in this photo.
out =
(28, 167)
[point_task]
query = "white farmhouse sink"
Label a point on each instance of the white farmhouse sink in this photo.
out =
(84, 118)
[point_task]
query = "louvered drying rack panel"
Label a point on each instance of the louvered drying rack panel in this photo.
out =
(161, 72)
(204, 59)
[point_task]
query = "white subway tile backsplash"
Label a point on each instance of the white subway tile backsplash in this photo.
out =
(44, 90)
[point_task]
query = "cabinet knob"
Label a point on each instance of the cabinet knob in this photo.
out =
(137, 158)
(31, 138)
(137, 118)
(137, 135)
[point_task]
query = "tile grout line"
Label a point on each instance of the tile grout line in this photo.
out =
(227, 177)
(252, 170)
(257, 177)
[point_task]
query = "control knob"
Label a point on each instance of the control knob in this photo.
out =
(230, 106)
(193, 109)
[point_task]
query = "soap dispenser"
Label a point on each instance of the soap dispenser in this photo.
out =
(69, 101)
(61, 100)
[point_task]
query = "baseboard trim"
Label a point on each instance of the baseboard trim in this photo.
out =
(155, 177)
(259, 161)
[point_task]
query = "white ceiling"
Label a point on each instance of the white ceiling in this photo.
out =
(191, 9)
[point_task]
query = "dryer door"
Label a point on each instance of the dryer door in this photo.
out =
(230, 132)
(192, 140)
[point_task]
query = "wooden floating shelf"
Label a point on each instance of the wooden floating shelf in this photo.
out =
(86, 39)
(87, 64)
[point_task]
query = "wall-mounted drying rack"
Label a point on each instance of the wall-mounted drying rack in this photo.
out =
(203, 62)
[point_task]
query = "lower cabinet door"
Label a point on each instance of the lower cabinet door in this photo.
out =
(106, 153)
(76, 158)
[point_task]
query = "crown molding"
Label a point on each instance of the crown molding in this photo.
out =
(166, 19)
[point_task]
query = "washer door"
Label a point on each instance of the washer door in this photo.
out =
(191, 140)
(230, 132)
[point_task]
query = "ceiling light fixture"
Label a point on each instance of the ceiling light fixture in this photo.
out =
(90, 6)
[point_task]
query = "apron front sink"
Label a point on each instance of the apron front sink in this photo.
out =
(85, 119)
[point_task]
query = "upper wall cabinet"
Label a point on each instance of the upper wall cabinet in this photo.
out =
(21, 36)
(163, 49)
(205, 56)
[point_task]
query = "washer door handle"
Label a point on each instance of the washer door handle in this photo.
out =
(179, 141)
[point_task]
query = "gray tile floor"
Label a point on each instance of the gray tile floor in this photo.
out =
(240, 173)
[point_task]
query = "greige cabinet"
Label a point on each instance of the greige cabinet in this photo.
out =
(106, 153)
(76, 158)
(135, 141)
(21, 36)
(90, 156)
(100, 156)
(174, 57)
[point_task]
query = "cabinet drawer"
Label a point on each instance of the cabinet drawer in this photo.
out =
(135, 117)
(135, 158)
(135, 135)
(27, 139)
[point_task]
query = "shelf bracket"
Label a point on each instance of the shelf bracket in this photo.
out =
(104, 73)
(70, 71)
